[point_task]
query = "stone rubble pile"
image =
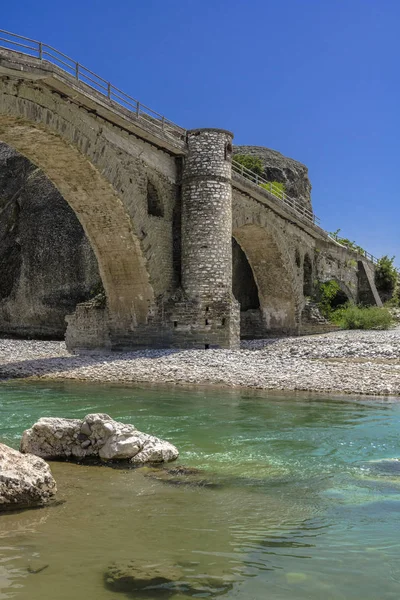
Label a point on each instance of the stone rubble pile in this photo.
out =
(96, 436)
(353, 362)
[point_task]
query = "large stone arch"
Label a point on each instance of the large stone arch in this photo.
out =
(275, 275)
(55, 135)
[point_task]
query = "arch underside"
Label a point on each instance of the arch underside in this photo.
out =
(276, 292)
(100, 211)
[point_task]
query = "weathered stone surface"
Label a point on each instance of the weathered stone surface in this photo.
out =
(25, 480)
(277, 167)
(98, 435)
(47, 265)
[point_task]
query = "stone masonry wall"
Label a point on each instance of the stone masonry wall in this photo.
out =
(103, 173)
(163, 287)
(207, 232)
(207, 215)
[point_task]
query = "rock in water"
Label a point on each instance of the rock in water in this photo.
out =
(25, 480)
(163, 579)
(98, 435)
(134, 576)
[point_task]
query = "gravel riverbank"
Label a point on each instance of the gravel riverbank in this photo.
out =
(352, 362)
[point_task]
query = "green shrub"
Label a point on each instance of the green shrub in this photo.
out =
(253, 163)
(356, 317)
(386, 275)
(276, 188)
(328, 290)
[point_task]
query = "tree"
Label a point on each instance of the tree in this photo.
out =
(386, 275)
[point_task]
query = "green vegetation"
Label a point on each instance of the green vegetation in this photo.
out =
(249, 162)
(276, 188)
(396, 293)
(328, 291)
(386, 275)
(335, 306)
(351, 316)
(255, 164)
(346, 242)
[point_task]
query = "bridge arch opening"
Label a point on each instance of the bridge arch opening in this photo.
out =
(340, 298)
(244, 286)
(71, 167)
(47, 265)
(277, 297)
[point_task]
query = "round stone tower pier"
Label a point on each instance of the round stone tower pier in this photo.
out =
(207, 235)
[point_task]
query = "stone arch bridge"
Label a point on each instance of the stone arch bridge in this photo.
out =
(191, 253)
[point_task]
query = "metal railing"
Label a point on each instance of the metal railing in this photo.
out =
(360, 252)
(46, 53)
(276, 191)
(296, 205)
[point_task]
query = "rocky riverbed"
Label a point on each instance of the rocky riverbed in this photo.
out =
(352, 362)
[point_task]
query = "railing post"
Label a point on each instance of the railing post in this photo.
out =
(242, 170)
(40, 51)
(77, 71)
(256, 179)
(109, 90)
(162, 123)
(137, 109)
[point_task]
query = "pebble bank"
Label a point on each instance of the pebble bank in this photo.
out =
(351, 362)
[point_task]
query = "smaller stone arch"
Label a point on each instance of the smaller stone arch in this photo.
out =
(343, 295)
(244, 286)
(275, 279)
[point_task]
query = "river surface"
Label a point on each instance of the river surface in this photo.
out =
(292, 502)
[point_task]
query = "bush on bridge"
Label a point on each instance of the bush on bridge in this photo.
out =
(249, 162)
(276, 188)
(254, 164)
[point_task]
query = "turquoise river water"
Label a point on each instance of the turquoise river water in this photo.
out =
(294, 500)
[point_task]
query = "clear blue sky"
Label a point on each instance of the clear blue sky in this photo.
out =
(317, 80)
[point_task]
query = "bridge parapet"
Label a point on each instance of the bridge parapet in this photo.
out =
(62, 73)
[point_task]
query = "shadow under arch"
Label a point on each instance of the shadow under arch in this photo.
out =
(343, 295)
(277, 292)
(40, 138)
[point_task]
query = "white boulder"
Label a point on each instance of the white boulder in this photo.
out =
(98, 435)
(25, 480)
